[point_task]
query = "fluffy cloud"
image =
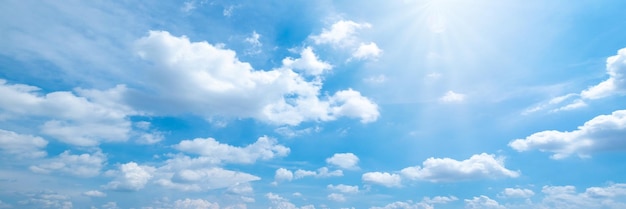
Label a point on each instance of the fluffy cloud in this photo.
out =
(195, 204)
(200, 78)
(47, 199)
(517, 193)
(610, 196)
(83, 165)
(452, 97)
(337, 197)
(385, 179)
(95, 193)
(367, 51)
(88, 119)
(203, 179)
(426, 203)
(344, 188)
(283, 175)
(279, 202)
(22, 146)
(604, 132)
(445, 169)
(264, 148)
(340, 33)
(344, 160)
(131, 177)
(482, 202)
(307, 63)
(616, 84)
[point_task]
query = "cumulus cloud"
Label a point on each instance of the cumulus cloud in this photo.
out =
(344, 188)
(344, 160)
(131, 177)
(340, 33)
(602, 133)
(517, 193)
(83, 165)
(445, 169)
(195, 204)
(610, 196)
(264, 148)
(280, 202)
(482, 202)
(452, 97)
(203, 79)
(204, 179)
(308, 63)
(426, 203)
(283, 175)
(95, 193)
(336, 197)
(86, 119)
(616, 84)
(382, 178)
(367, 51)
(323, 172)
(47, 199)
(22, 146)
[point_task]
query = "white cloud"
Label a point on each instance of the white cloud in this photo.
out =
(341, 33)
(22, 146)
(95, 193)
(304, 173)
(279, 202)
(602, 133)
(88, 119)
(344, 160)
(322, 172)
(517, 193)
(426, 203)
(610, 196)
(482, 202)
(377, 79)
(344, 188)
(110, 205)
(452, 97)
(47, 199)
(202, 179)
(254, 42)
(195, 204)
(367, 51)
(616, 84)
(264, 148)
(283, 175)
(308, 63)
(200, 78)
(445, 169)
(385, 179)
(83, 165)
(337, 197)
(131, 177)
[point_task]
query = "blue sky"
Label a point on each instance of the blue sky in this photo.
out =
(313, 104)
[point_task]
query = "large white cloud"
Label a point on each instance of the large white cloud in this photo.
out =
(22, 146)
(200, 78)
(86, 119)
(131, 177)
(341, 33)
(616, 84)
(264, 148)
(479, 166)
(382, 178)
(602, 133)
(344, 160)
(517, 193)
(83, 165)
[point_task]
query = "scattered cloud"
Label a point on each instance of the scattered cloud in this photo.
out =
(336, 197)
(264, 148)
(367, 51)
(344, 160)
(482, 202)
(382, 178)
(616, 84)
(22, 146)
(83, 165)
(452, 97)
(95, 193)
(426, 203)
(344, 188)
(195, 204)
(481, 166)
(341, 33)
(216, 83)
(131, 177)
(376, 79)
(308, 63)
(602, 133)
(283, 174)
(517, 193)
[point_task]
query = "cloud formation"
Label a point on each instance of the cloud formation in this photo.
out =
(602, 133)
(481, 166)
